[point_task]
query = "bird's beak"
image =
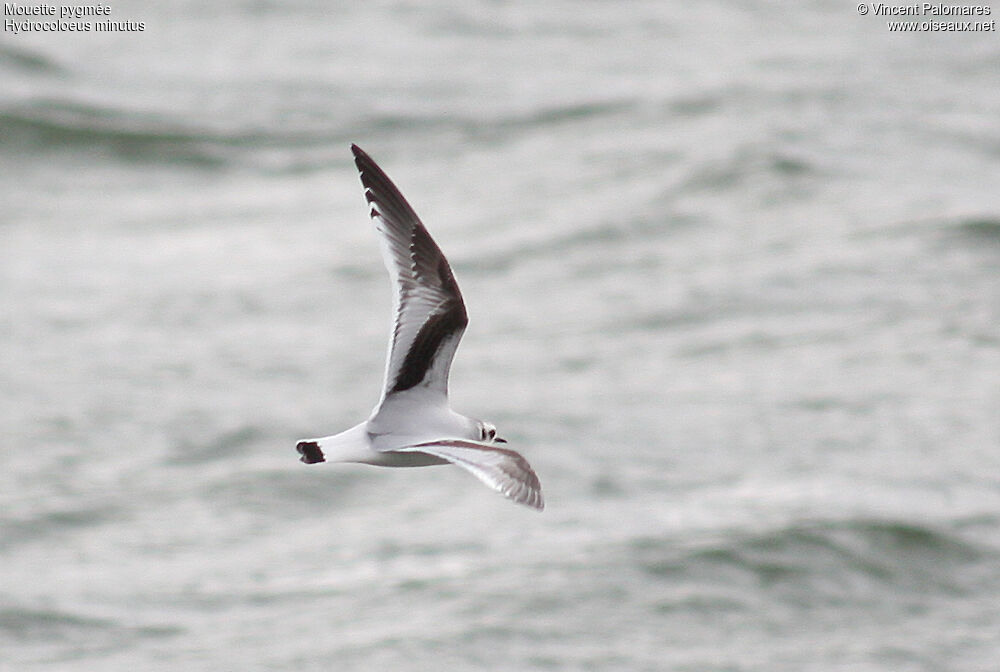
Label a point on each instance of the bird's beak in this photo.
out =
(499, 440)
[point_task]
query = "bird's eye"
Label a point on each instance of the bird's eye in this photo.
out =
(491, 433)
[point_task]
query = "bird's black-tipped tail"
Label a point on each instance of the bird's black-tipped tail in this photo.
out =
(310, 452)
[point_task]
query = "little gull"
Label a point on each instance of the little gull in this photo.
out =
(413, 425)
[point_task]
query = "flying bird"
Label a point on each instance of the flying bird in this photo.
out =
(413, 424)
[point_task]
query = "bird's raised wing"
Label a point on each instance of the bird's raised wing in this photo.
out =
(429, 314)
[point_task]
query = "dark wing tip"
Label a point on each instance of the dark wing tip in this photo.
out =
(310, 452)
(366, 166)
(385, 199)
(362, 161)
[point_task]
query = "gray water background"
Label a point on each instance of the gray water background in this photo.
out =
(733, 272)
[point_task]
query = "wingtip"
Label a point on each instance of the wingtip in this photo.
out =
(502, 469)
(359, 154)
(364, 163)
(539, 505)
(532, 497)
(526, 492)
(526, 488)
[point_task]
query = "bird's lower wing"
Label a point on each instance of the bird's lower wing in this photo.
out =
(504, 470)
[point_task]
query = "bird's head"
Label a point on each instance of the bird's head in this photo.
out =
(488, 433)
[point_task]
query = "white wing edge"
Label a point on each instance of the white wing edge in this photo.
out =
(503, 469)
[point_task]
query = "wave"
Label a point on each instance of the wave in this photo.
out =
(45, 125)
(27, 61)
(473, 126)
(76, 632)
(277, 494)
(980, 229)
(14, 531)
(782, 169)
(46, 623)
(830, 561)
(223, 445)
(58, 125)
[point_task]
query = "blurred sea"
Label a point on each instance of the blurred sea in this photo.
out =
(733, 273)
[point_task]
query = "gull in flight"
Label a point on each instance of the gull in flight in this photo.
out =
(413, 425)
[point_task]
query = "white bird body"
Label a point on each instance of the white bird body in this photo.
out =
(413, 424)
